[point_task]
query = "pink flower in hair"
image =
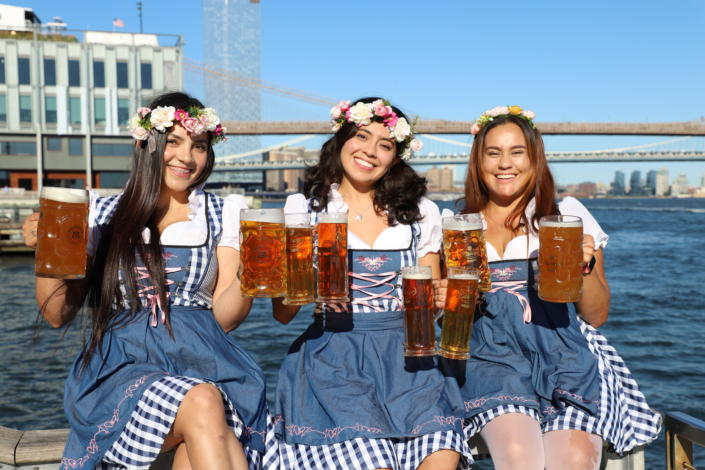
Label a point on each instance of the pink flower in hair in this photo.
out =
(218, 130)
(474, 129)
(392, 119)
(529, 114)
(180, 115)
(143, 111)
(382, 110)
(344, 105)
(190, 123)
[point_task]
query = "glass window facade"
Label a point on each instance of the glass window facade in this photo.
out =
(2, 69)
(122, 77)
(50, 72)
(99, 111)
(3, 108)
(25, 109)
(23, 75)
(18, 148)
(74, 73)
(99, 74)
(74, 110)
(54, 144)
(50, 109)
(76, 147)
(123, 112)
(112, 150)
(146, 73)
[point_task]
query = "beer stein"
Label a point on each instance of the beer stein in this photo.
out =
(560, 255)
(464, 246)
(332, 247)
(262, 253)
(62, 233)
(459, 313)
(419, 330)
(299, 259)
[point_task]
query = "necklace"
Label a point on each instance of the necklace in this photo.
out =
(359, 214)
(500, 225)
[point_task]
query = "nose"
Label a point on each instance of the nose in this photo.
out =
(505, 160)
(184, 155)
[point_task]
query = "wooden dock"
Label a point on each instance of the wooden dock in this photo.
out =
(11, 240)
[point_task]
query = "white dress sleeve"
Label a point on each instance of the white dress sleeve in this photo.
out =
(296, 204)
(571, 206)
(231, 221)
(93, 238)
(431, 233)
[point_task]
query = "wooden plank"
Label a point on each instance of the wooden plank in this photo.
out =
(9, 438)
(41, 446)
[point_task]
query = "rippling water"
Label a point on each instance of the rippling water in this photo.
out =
(656, 323)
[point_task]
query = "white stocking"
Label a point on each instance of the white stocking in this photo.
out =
(571, 449)
(515, 442)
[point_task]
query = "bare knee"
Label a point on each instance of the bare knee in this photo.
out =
(202, 407)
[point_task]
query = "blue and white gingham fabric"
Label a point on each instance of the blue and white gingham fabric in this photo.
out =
(624, 419)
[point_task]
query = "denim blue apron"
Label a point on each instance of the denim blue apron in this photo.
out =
(543, 364)
(347, 377)
(99, 403)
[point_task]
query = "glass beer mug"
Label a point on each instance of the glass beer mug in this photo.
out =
(419, 329)
(262, 259)
(459, 313)
(464, 246)
(62, 233)
(332, 257)
(560, 255)
(299, 259)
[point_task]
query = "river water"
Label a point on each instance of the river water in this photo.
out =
(656, 323)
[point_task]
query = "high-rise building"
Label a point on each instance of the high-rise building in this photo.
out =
(285, 180)
(635, 183)
(587, 189)
(661, 182)
(680, 185)
(231, 41)
(650, 187)
(702, 181)
(618, 185)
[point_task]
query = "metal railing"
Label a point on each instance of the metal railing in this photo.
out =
(682, 431)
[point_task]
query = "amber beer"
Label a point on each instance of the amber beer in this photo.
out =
(464, 246)
(332, 257)
(560, 255)
(459, 313)
(262, 246)
(299, 259)
(62, 233)
(419, 331)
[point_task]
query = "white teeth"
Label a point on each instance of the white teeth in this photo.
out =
(364, 163)
(504, 177)
(180, 170)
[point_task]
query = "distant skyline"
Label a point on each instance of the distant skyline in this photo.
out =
(566, 61)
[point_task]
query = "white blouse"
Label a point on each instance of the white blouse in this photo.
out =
(187, 233)
(392, 238)
(517, 247)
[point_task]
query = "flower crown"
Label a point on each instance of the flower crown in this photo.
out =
(362, 114)
(195, 120)
(526, 115)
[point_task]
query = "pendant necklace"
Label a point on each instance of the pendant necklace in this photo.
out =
(359, 215)
(500, 225)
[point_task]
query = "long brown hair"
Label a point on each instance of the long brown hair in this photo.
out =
(540, 185)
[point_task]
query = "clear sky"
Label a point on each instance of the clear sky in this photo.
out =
(567, 61)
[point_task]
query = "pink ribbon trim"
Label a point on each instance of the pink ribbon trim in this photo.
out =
(152, 143)
(152, 300)
(511, 287)
(374, 283)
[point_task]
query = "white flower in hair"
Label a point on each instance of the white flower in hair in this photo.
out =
(407, 154)
(134, 122)
(162, 117)
(401, 130)
(212, 117)
(361, 114)
(416, 145)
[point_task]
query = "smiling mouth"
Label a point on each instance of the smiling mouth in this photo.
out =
(364, 163)
(182, 171)
(504, 177)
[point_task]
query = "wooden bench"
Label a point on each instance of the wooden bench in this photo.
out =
(41, 450)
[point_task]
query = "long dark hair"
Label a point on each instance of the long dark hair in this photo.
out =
(398, 192)
(122, 238)
(540, 184)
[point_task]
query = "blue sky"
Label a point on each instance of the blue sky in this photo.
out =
(567, 61)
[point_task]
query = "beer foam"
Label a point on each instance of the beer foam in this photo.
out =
(465, 277)
(419, 276)
(450, 223)
(566, 224)
(272, 216)
(67, 195)
(332, 219)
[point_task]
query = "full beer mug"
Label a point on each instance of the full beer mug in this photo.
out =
(560, 255)
(262, 246)
(459, 313)
(419, 330)
(62, 233)
(464, 246)
(299, 259)
(332, 257)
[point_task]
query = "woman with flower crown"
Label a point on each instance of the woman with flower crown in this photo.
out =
(543, 388)
(158, 370)
(347, 398)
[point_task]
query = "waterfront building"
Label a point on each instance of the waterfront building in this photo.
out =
(440, 180)
(66, 98)
(587, 189)
(702, 181)
(650, 186)
(680, 185)
(662, 185)
(618, 185)
(635, 183)
(285, 180)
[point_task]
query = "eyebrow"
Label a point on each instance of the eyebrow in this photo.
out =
(370, 134)
(514, 147)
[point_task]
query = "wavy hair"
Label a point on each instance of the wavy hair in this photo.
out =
(540, 185)
(398, 192)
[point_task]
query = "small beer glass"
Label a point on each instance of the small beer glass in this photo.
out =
(459, 313)
(262, 253)
(419, 330)
(62, 233)
(299, 259)
(332, 247)
(464, 246)
(560, 255)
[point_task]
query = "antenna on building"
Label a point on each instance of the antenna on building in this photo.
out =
(139, 8)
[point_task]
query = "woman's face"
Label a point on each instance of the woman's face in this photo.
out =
(185, 157)
(368, 155)
(505, 162)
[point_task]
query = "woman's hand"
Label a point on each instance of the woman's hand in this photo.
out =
(588, 253)
(29, 230)
(594, 307)
(440, 289)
